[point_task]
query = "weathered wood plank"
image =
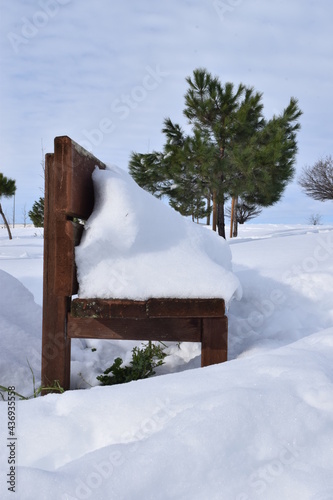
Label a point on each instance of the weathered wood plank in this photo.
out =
(166, 329)
(74, 167)
(55, 345)
(107, 308)
(214, 342)
(152, 308)
(64, 267)
(190, 308)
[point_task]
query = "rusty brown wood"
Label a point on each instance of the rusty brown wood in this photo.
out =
(106, 308)
(152, 308)
(162, 329)
(73, 197)
(55, 344)
(73, 180)
(214, 342)
(190, 308)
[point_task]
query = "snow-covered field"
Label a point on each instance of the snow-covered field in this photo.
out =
(257, 427)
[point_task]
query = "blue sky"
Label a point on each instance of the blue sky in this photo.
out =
(108, 73)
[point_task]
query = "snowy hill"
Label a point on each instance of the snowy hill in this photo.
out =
(257, 427)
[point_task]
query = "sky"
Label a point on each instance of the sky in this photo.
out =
(108, 73)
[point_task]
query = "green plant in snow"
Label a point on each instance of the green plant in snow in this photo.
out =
(143, 364)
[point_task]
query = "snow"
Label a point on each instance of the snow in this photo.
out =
(137, 247)
(257, 427)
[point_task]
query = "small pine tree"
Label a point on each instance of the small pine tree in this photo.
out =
(180, 172)
(36, 214)
(233, 151)
(7, 189)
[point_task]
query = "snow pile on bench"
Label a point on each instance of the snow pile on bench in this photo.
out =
(135, 247)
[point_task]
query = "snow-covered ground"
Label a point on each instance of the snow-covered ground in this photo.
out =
(257, 427)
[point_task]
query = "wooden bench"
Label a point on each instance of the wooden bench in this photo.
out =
(69, 195)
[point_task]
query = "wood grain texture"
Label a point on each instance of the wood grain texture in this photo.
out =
(214, 342)
(190, 308)
(151, 308)
(55, 344)
(165, 329)
(106, 308)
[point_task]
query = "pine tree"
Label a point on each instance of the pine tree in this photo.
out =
(262, 163)
(233, 151)
(178, 172)
(211, 107)
(147, 171)
(36, 214)
(248, 121)
(7, 189)
(255, 157)
(186, 159)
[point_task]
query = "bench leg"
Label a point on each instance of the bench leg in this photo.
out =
(214, 342)
(56, 347)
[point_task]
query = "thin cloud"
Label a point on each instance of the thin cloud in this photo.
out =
(86, 59)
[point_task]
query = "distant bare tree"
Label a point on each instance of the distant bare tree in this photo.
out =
(317, 181)
(25, 215)
(245, 212)
(315, 219)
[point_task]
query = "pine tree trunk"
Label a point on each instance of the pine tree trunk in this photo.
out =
(220, 207)
(208, 209)
(232, 213)
(220, 219)
(5, 221)
(235, 221)
(214, 212)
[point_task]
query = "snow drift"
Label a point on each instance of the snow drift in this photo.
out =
(257, 427)
(136, 247)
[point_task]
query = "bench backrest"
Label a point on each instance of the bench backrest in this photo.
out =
(69, 194)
